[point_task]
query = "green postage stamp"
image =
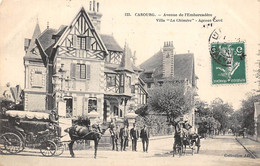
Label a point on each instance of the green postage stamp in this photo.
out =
(228, 63)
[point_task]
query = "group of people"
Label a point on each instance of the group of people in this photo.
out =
(124, 134)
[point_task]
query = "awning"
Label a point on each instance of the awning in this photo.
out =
(26, 114)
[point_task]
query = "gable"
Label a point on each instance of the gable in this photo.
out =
(80, 39)
(33, 54)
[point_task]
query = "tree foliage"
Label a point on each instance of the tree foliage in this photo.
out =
(221, 112)
(247, 111)
(205, 119)
(171, 100)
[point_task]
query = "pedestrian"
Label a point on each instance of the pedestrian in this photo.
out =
(112, 133)
(124, 137)
(116, 137)
(134, 134)
(145, 138)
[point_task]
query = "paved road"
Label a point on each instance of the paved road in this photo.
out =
(222, 150)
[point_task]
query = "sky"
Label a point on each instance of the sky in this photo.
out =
(240, 21)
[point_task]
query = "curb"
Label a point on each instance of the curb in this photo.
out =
(248, 151)
(159, 137)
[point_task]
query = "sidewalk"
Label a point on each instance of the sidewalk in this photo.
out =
(250, 145)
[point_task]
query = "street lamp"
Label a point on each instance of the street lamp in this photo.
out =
(59, 84)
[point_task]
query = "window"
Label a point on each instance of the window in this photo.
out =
(111, 80)
(81, 42)
(148, 85)
(121, 80)
(133, 89)
(81, 71)
(115, 110)
(121, 113)
(129, 78)
(149, 75)
(92, 104)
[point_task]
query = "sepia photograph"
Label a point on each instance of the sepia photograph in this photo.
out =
(106, 82)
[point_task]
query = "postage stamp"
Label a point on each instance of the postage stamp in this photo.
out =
(228, 62)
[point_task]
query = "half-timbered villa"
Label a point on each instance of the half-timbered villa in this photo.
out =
(81, 72)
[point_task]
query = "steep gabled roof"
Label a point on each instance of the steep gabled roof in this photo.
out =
(29, 54)
(67, 30)
(110, 43)
(46, 40)
(45, 44)
(152, 63)
(60, 31)
(183, 67)
(126, 63)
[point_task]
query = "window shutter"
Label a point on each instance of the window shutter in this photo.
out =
(88, 72)
(75, 41)
(72, 70)
(85, 100)
(74, 111)
(88, 42)
(77, 75)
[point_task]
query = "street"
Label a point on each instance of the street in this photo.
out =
(221, 150)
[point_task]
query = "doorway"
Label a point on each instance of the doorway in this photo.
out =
(69, 107)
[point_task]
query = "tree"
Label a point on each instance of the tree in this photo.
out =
(247, 110)
(171, 100)
(221, 112)
(236, 120)
(205, 119)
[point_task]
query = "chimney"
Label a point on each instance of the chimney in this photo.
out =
(95, 15)
(94, 5)
(97, 6)
(168, 59)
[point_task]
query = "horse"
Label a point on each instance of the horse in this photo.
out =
(178, 139)
(84, 133)
(178, 144)
(191, 140)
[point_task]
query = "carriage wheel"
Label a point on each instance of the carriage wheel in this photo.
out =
(23, 141)
(48, 148)
(2, 146)
(10, 143)
(60, 148)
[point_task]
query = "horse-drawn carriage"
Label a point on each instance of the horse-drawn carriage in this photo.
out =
(191, 141)
(183, 139)
(20, 129)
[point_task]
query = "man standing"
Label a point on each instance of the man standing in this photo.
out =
(124, 137)
(116, 137)
(134, 134)
(145, 138)
(112, 133)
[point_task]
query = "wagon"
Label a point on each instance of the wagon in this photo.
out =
(181, 144)
(20, 129)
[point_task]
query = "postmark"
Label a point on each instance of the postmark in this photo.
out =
(227, 60)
